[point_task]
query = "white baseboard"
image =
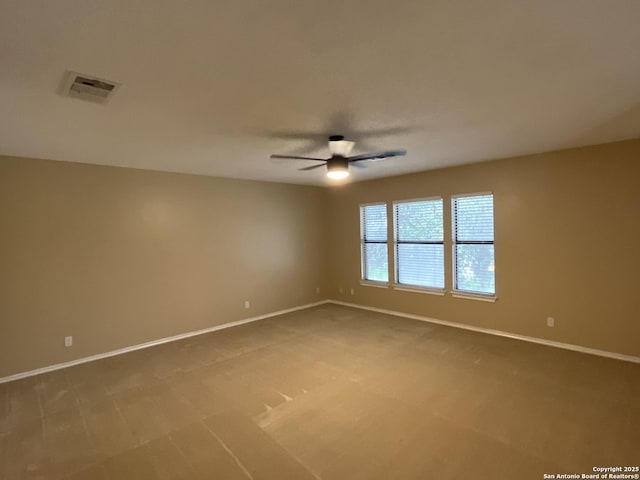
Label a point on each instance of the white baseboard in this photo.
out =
(500, 333)
(112, 353)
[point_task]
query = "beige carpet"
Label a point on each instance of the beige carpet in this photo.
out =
(331, 393)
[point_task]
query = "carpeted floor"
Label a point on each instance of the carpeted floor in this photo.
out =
(331, 393)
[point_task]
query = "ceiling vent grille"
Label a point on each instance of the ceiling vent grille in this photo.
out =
(87, 87)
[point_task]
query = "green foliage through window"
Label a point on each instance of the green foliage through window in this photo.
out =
(474, 250)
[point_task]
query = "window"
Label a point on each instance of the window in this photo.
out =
(474, 266)
(373, 239)
(419, 246)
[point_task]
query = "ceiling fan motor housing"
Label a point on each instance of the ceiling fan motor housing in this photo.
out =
(337, 163)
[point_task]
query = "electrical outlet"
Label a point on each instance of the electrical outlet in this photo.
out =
(68, 341)
(317, 290)
(551, 322)
(353, 291)
(247, 304)
(341, 290)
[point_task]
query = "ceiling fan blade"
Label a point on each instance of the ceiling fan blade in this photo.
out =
(293, 157)
(380, 155)
(359, 165)
(313, 167)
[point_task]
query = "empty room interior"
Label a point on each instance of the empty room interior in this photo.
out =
(319, 240)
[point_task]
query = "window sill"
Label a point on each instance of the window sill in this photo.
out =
(429, 291)
(473, 296)
(369, 283)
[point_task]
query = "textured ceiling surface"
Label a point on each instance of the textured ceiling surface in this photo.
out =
(215, 87)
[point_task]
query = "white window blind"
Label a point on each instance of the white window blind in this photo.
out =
(419, 243)
(473, 244)
(375, 264)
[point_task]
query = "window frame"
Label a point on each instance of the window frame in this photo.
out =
(407, 286)
(455, 292)
(363, 242)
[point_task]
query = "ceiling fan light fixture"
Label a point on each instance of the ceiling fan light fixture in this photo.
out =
(337, 168)
(338, 174)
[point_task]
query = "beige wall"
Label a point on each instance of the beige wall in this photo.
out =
(567, 239)
(116, 257)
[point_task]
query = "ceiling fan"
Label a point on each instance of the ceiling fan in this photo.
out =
(338, 164)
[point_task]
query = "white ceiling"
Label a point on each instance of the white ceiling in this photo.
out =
(214, 87)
